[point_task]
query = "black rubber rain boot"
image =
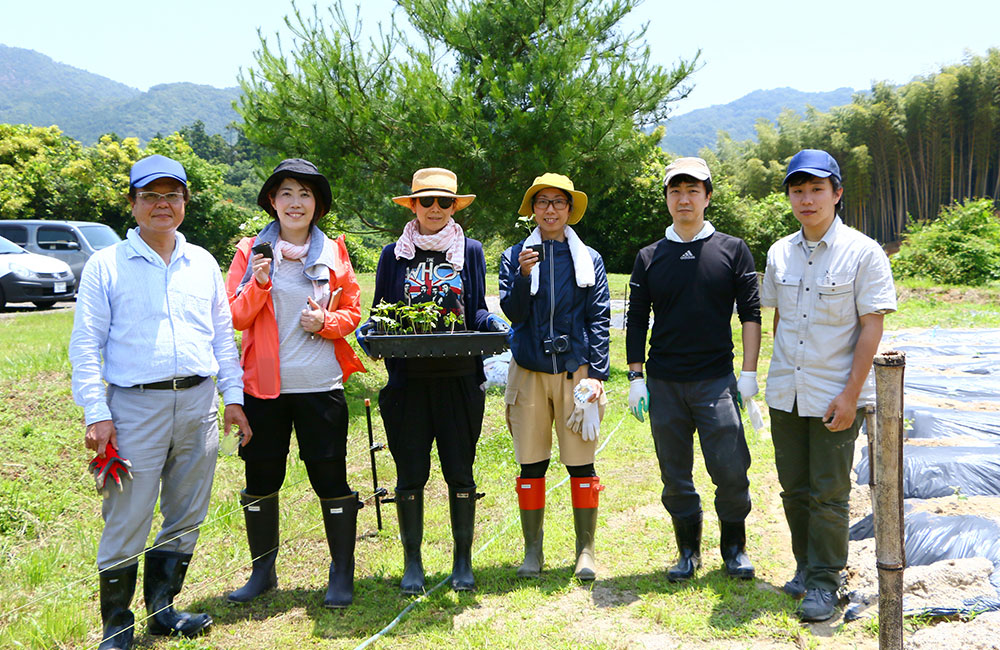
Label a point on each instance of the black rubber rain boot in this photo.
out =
(410, 510)
(584, 493)
(531, 499)
(687, 531)
(340, 518)
(162, 581)
(732, 545)
(117, 589)
(261, 515)
(463, 525)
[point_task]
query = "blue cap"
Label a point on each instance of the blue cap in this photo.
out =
(153, 167)
(813, 161)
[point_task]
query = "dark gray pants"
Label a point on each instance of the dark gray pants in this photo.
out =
(676, 409)
(814, 468)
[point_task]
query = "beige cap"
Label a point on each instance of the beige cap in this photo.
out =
(692, 166)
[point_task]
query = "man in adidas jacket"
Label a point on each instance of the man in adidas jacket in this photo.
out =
(690, 279)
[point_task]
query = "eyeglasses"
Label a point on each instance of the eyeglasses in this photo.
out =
(543, 204)
(152, 198)
(443, 201)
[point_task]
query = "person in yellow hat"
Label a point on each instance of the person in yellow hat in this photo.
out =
(554, 290)
(439, 398)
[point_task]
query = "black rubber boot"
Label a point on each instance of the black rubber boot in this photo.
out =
(162, 581)
(340, 518)
(261, 515)
(732, 545)
(534, 534)
(117, 589)
(687, 531)
(463, 525)
(410, 510)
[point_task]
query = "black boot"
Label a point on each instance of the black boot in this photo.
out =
(340, 518)
(410, 510)
(261, 515)
(463, 520)
(687, 531)
(117, 589)
(732, 544)
(162, 581)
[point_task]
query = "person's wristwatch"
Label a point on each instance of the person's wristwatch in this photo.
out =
(634, 374)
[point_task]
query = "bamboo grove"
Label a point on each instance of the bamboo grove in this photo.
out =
(906, 151)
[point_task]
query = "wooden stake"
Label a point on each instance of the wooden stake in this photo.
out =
(887, 467)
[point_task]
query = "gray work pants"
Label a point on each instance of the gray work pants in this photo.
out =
(172, 440)
(676, 409)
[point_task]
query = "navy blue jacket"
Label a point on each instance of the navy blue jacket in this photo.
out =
(583, 315)
(391, 274)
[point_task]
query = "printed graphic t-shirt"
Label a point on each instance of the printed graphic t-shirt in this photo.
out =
(431, 278)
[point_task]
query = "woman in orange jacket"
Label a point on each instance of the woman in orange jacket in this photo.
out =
(293, 294)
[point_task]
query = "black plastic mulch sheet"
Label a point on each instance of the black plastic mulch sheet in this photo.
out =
(934, 422)
(931, 538)
(930, 472)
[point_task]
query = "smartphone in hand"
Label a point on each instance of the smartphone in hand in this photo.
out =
(540, 249)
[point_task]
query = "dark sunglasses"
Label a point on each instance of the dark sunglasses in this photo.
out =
(443, 201)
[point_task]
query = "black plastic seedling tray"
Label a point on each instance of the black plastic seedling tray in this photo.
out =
(449, 344)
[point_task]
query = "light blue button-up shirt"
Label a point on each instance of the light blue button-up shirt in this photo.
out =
(150, 322)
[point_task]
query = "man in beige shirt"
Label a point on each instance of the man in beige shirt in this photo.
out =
(830, 286)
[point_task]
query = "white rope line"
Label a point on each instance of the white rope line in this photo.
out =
(135, 558)
(505, 527)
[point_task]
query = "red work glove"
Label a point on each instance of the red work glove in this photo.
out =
(110, 464)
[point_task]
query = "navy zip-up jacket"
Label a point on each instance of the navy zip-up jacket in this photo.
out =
(560, 308)
(391, 275)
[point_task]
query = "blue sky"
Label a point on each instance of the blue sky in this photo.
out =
(745, 45)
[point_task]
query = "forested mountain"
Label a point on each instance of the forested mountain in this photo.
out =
(688, 133)
(34, 89)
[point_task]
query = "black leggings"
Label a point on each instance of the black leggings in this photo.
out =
(537, 470)
(328, 477)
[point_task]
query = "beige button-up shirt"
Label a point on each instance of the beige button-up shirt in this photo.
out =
(820, 297)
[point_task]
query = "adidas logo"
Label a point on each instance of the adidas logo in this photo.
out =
(688, 255)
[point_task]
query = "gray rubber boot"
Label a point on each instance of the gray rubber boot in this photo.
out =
(261, 515)
(410, 510)
(340, 517)
(534, 555)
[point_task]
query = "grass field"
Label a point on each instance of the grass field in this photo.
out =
(50, 525)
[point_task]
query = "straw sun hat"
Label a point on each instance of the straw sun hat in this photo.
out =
(435, 181)
(560, 182)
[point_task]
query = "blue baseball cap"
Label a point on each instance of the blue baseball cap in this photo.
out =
(154, 167)
(813, 161)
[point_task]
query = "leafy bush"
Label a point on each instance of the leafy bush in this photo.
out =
(962, 246)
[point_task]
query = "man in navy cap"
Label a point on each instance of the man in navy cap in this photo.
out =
(830, 287)
(152, 327)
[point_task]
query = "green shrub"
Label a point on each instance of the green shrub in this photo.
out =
(961, 246)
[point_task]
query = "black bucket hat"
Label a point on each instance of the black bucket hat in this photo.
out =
(301, 169)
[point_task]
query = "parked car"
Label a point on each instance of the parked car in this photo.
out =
(28, 277)
(72, 242)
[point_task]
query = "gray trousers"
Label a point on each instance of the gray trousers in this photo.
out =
(676, 409)
(172, 440)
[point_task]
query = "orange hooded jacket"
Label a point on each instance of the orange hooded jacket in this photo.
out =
(253, 314)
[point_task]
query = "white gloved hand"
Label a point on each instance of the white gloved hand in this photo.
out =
(638, 398)
(746, 385)
(591, 422)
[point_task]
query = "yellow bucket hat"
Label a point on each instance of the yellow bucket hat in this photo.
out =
(560, 182)
(435, 181)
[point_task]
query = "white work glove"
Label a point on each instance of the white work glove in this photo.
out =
(746, 386)
(591, 422)
(575, 421)
(638, 398)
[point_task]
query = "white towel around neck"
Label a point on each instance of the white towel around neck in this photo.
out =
(583, 265)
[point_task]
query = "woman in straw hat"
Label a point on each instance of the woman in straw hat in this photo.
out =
(554, 290)
(293, 293)
(434, 398)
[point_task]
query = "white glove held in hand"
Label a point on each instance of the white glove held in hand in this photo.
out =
(638, 398)
(575, 421)
(747, 385)
(591, 422)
